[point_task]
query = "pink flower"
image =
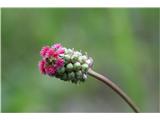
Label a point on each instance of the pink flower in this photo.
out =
(44, 51)
(51, 53)
(57, 46)
(59, 63)
(51, 60)
(60, 51)
(50, 70)
(42, 66)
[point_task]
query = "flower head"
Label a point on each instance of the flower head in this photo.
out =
(63, 63)
(51, 60)
(44, 50)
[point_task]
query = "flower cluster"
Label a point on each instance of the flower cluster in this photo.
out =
(51, 60)
(65, 64)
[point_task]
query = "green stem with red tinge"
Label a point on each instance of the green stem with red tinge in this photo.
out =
(112, 85)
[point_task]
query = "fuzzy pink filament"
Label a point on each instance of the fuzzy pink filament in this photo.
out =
(51, 53)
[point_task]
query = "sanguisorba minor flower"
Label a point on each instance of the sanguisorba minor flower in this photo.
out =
(65, 64)
(71, 65)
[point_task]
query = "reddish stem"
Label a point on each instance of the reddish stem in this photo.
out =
(114, 87)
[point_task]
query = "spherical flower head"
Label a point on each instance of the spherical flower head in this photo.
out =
(65, 64)
(51, 60)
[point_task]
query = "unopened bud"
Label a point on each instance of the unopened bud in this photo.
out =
(79, 74)
(69, 67)
(67, 57)
(84, 67)
(77, 66)
(71, 75)
(74, 58)
(61, 70)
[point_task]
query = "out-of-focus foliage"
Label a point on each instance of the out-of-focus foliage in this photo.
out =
(122, 42)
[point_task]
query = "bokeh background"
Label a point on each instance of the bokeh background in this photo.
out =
(123, 43)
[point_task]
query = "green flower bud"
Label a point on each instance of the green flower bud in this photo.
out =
(65, 49)
(84, 58)
(69, 51)
(80, 59)
(67, 57)
(79, 74)
(61, 70)
(78, 53)
(71, 75)
(77, 66)
(69, 67)
(74, 58)
(85, 67)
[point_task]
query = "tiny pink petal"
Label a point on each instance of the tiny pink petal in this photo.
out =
(42, 66)
(50, 70)
(59, 63)
(60, 51)
(57, 46)
(44, 51)
(50, 53)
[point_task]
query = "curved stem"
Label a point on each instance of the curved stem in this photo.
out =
(115, 88)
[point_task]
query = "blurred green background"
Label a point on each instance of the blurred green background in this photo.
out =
(123, 43)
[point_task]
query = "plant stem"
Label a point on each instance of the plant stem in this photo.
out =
(115, 88)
